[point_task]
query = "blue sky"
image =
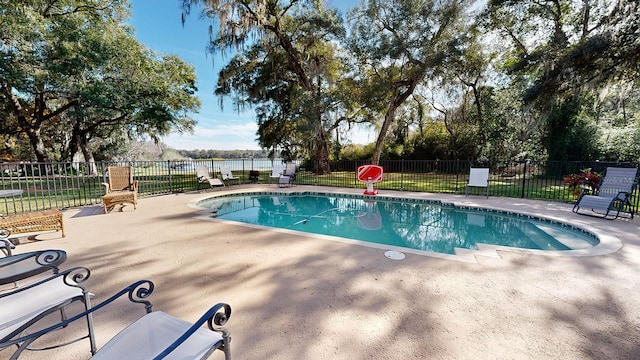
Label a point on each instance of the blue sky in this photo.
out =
(159, 26)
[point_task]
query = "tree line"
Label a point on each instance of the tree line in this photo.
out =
(437, 79)
(75, 81)
(458, 79)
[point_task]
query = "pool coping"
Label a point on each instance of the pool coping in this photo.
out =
(608, 243)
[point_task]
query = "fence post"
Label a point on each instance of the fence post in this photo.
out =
(104, 172)
(457, 174)
(169, 172)
(401, 174)
(524, 178)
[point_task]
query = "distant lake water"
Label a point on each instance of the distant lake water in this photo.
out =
(233, 164)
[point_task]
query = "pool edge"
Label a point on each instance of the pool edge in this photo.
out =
(607, 243)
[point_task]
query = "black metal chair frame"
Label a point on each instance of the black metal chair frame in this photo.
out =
(5, 244)
(137, 293)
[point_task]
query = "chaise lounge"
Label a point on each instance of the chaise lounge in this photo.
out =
(26, 306)
(288, 176)
(227, 175)
(613, 195)
(202, 173)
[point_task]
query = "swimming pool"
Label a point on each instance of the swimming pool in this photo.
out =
(422, 225)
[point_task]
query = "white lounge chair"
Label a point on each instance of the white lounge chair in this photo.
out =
(155, 335)
(277, 171)
(613, 195)
(26, 306)
(288, 176)
(203, 177)
(478, 177)
(290, 170)
(228, 175)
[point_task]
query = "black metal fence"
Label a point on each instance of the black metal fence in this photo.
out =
(66, 185)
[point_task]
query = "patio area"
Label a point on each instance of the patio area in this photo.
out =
(303, 297)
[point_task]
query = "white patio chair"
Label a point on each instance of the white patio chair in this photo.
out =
(277, 171)
(26, 306)
(228, 175)
(5, 244)
(478, 177)
(288, 176)
(203, 177)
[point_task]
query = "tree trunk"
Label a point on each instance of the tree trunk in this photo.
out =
(88, 157)
(321, 161)
(398, 99)
(37, 144)
(388, 119)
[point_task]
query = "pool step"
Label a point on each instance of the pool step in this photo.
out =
(541, 238)
(483, 250)
(566, 238)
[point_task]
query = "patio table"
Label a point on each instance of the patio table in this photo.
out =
(21, 266)
(9, 193)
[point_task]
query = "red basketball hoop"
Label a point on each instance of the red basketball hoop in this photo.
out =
(370, 174)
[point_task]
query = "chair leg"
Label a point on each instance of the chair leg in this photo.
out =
(226, 339)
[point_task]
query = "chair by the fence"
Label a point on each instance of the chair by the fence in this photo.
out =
(227, 175)
(478, 177)
(202, 173)
(613, 195)
(121, 188)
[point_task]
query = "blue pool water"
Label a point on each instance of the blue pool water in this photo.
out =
(414, 224)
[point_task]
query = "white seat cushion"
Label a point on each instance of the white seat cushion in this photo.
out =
(20, 307)
(154, 332)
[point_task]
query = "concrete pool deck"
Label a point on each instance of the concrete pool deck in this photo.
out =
(302, 297)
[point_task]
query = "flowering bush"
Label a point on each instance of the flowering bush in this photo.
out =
(585, 179)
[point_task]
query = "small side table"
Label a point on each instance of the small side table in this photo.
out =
(4, 233)
(11, 192)
(254, 175)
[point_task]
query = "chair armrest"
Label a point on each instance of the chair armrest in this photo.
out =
(106, 187)
(134, 186)
(73, 277)
(585, 190)
(6, 245)
(623, 196)
(22, 266)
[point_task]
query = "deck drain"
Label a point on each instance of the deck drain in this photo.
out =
(394, 255)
